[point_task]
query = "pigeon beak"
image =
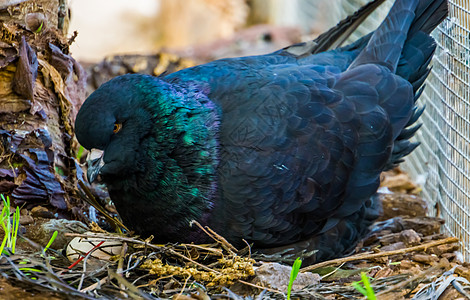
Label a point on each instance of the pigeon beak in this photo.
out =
(95, 163)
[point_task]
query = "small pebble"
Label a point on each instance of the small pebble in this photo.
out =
(41, 212)
(26, 220)
(425, 258)
(277, 276)
(384, 272)
(410, 237)
(406, 264)
(392, 247)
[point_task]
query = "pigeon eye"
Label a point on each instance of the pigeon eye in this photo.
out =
(117, 127)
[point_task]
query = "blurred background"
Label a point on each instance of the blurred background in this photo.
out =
(203, 28)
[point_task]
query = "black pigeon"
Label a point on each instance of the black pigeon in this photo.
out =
(283, 150)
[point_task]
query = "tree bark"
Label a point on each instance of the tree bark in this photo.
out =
(41, 89)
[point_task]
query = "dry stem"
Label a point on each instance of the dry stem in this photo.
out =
(218, 238)
(401, 285)
(380, 254)
(260, 287)
(95, 285)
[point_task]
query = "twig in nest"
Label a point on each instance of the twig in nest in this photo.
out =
(132, 290)
(184, 287)
(260, 287)
(95, 285)
(332, 272)
(86, 255)
(72, 38)
(248, 246)
(151, 282)
(194, 262)
(119, 270)
(216, 237)
(121, 258)
(85, 259)
(460, 289)
(134, 265)
(115, 237)
(403, 284)
(213, 251)
(90, 199)
(380, 254)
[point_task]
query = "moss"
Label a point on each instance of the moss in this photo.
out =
(229, 270)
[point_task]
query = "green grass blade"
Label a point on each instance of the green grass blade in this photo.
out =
(293, 275)
(3, 244)
(2, 223)
(367, 290)
(52, 239)
(29, 270)
(39, 28)
(80, 152)
(358, 287)
(370, 294)
(10, 227)
(16, 225)
(6, 224)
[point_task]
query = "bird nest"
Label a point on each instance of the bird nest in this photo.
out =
(404, 257)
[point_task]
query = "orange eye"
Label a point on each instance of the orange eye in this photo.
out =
(117, 127)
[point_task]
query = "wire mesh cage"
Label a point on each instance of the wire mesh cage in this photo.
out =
(441, 165)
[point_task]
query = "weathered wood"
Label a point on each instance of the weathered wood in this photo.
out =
(41, 88)
(405, 205)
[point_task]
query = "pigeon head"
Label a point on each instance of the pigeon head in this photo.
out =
(158, 139)
(115, 119)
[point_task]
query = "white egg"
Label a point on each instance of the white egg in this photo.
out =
(80, 246)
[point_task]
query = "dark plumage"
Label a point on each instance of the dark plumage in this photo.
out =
(284, 149)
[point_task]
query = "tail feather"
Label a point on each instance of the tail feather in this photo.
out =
(428, 15)
(416, 114)
(419, 82)
(408, 133)
(401, 148)
(336, 36)
(408, 23)
(386, 44)
(416, 56)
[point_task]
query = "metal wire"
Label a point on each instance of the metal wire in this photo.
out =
(442, 163)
